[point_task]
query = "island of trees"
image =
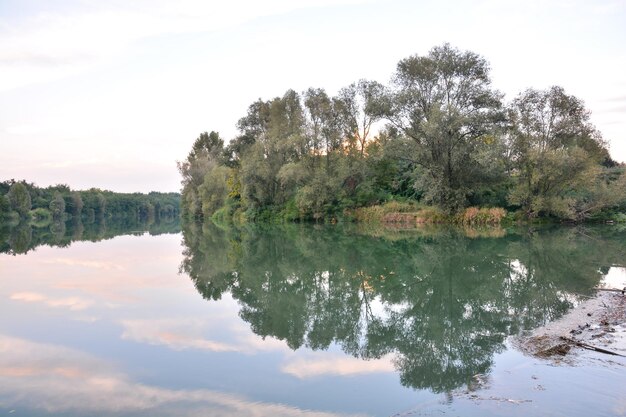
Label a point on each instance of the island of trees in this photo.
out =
(437, 143)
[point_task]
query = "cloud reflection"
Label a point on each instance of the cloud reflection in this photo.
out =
(61, 380)
(94, 264)
(190, 333)
(317, 365)
(72, 303)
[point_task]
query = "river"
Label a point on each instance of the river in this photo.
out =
(298, 320)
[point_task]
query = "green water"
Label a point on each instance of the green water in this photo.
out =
(442, 302)
(299, 320)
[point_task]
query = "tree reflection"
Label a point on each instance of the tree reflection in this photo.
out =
(441, 302)
(25, 236)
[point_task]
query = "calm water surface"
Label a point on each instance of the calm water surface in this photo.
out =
(297, 321)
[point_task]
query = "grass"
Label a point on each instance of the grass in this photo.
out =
(474, 216)
(405, 213)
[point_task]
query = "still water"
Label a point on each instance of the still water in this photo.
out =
(297, 321)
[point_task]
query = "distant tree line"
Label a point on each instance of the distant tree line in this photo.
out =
(438, 134)
(20, 200)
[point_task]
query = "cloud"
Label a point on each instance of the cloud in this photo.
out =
(52, 45)
(22, 130)
(614, 99)
(72, 303)
(617, 109)
(323, 364)
(61, 380)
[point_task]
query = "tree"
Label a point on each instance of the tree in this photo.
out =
(214, 190)
(19, 198)
(207, 145)
(445, 103)
(5, 206)
(57, 207)
(556, 152)
(74, 204)
(318, 109)
(95, 205)
(206, 153)
(359, 110)
(276, 131)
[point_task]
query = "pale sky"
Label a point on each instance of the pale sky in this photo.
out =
(111, 94)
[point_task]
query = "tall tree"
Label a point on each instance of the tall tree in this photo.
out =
(5, 206)
(206, 153)
(360, 109)
(276, 129)
(57, 207)
(445, 103)
(74, 204)
(19, 198)
(556, 151)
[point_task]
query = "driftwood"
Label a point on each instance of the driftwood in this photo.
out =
(610, 289)
(590, 347)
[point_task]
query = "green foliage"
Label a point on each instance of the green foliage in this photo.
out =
(556, 153)
(60, 203)
(206, 154)
(40, 217)
(19, 199)
(20, 238)
(5, 206)
(619, 217)
(449, 142)
(445, 103)
(214, 190)
(74, 204)
(57, 207)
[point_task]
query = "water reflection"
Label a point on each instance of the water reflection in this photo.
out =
(64, 381)
(439, 303)
(83, 325)
(25, 236)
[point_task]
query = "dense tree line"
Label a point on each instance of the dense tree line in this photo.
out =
(20, 200)
(439, 133)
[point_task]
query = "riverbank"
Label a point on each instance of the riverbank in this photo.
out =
(598, 324)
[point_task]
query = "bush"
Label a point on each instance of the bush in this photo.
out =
(40, 217)
(386, 212)
(432, 215)
(473, 216)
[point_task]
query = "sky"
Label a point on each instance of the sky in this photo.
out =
(110, 94)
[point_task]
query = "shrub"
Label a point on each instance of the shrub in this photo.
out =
(473, 216)
(40, 217)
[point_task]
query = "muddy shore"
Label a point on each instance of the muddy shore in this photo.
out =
(598, 323)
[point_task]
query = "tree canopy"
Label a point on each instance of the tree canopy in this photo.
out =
(438, 134)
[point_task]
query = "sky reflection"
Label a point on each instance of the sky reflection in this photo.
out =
(82, 325)
(59, 380)
(112, 328)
